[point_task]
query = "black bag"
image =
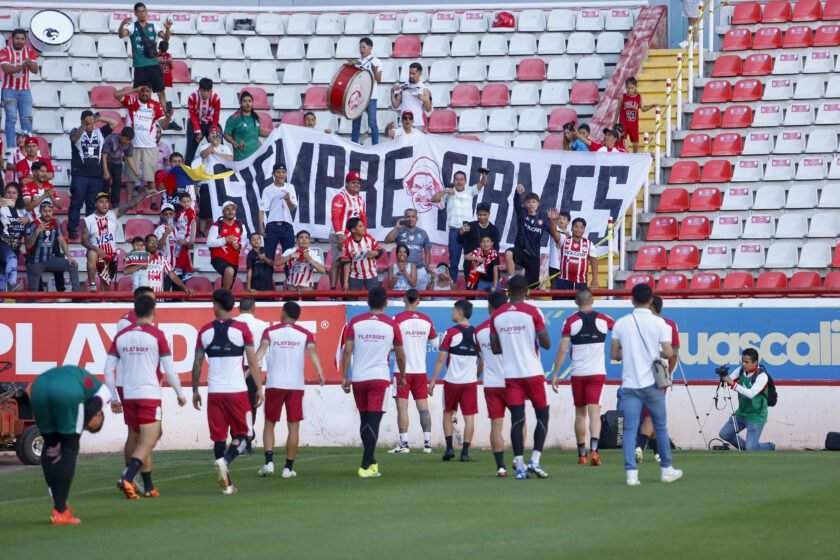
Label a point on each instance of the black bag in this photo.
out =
(832, 441)
(149, 46)
(612, 429)
(772, 395)
(245, 24)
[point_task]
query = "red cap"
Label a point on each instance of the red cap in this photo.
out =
(29, 141)
(353, 176)
(215, 129)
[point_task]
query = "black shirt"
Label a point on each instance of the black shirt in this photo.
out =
(529, 229)
(472, 239)
(262, 275)
(86, 157)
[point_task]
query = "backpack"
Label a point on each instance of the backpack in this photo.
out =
(772, 395)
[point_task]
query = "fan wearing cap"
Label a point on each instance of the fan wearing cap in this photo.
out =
(406, 128)
(346, 204)
(65, 400)
(47, 251)
(31, 154)
(210, 150)
(611, 142)
(99, 238)
(225, 240)
(277, 212)
(157, 270)
(39, 189)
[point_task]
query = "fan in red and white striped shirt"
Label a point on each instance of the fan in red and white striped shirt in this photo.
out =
(359, 254)
(17, 56)
(203, 111)
(576, 257)
(303, 264)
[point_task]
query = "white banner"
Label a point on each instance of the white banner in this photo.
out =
(406, 173)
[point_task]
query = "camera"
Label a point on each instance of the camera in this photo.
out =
(722, 371)
(483, 170)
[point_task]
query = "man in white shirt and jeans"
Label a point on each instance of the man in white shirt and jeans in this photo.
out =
(277, 208)
(643, 337)
(459, 212)
(371, 63)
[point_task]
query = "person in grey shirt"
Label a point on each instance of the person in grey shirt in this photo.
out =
(417, 240)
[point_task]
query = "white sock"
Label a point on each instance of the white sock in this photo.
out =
(427, 438)
(403, 439)
(519, 462)
(535, 456)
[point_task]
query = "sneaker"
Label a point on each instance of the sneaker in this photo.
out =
(229, 490)
(400, 449)
(465, 459)
(370, 472)
(153, 493)
(92, 287)
(536, 469)
(633, 478)
(427, 448)
(266, 470)
(174, 126)
(64, 518)
(582, 460)
(640, 455)
(129, 490)
(449, 455)
(521, 474)
(222, 473)
(288, 473)
(594, 459)
(670, 474)
(375, 468)
(657, 458)
(501, 473)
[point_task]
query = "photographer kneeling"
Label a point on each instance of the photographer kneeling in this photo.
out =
(750, 382)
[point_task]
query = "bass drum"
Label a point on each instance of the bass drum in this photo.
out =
(350, 91)
(51, 31)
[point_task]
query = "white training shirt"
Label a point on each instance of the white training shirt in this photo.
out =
(224, 343)
(460, 367)
(374, 335)
(102, 231)
(554, 249)
(417, 330)
(588, 334)
(257, 328)
(640, 346)
(373, 64)
(494, 373)
(274, 204)
(516, 325)
(287, 345)
(410, 101)
(134, 357)
(301, 273)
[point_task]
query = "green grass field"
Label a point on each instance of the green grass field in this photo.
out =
(728, 505)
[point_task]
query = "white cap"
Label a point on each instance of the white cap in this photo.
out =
(165, 207)
(228, 203)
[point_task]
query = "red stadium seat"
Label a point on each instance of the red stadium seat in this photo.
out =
(531, 70)
(64, 197)
(560, 117)
(495, 95)
(470, 137)
(683, 257)
(805, 279)
(636, 279)
(696, 145)
(266, 122)
(584, 93)
(832, 280)
(737, 116)
(738, 281)
(102, 97)
(238, 286)
(717, 91)
(124, 284)
(798, 36)
(747, 90)
(651, 257)
(112, 115)
(200, 284)
(684, 172)
(827, 36)
(553, 142)
(776, 12)
(706, 199)
(835, 262)
(759, 64)
(767, 38)
(294, 118)
(407, 46)
(260, 97)
(747, 13)
(465, 95)
(777, 280)
(695, 228)
(673, 200)
(672, 281)
(663, 228)
(737, 40)
(807, 10)
(65, 231)
(439, 255)
(443, 120)
(138, 227)
(727, 144)
(727, 66)
(831, 12)
(315, 98)
(717, 171)
(43, 146)
(180, 72)
(705, 281)
(705, 118)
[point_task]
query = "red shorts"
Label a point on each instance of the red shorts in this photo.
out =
(587, 389)
(276, 398)
(141, 411)
(518, 389)
(645, 413)
(416, 384)
(122, 398)
(370, 395)
(631, 131)
(496, 403)
(229, 413)
(464, 395)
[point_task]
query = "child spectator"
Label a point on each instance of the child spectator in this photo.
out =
(301, 263)
(165, 63)
(137, 257)
(484, 274)
(582, 134)
(185, 222)
(628, 111)
(260, 268)
(571, 137)
(531, 224)
(117, 149)
(554, 247)
(620, 130)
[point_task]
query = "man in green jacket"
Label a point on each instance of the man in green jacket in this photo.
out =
(750, 382)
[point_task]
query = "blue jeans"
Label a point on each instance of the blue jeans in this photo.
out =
(455, 250)
(17, 102)
(632, 401)
(281, 233)
(9, 260)
(727, 433)
(374, 128)
(83, 191)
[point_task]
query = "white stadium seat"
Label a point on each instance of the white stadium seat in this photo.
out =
(758, 144)
(716, 257)
(790, 143)
(777, 89)
(833, 89)
(325, 119)
(75, 96)
(111, 46)
(390, 71)
(263, 72)
(320, 47)
(443, 22)
(502, 120)
(347, 47)
(533, 120)
(525, 93)
(62, 179)
(300, 24)
(200, 47)
(769, 197)
(834, 171)
(561, 20)
(436, 46)
(443, 71)
(472, 71)
(204, 69)
(9, 19)
(531, 21)
(387, 23)
(726, 227)
(792, 226)
(25, 18)
(527, 141)
(182, 24)
(417, 23)
(501, 140)
(176, 48)
(561, 68)
(822, 141)
(45, 95)
(809, 87)
(748, 256)
(464, 45)
(211, 24)
(257, 48)
(297, 73)
(618, 20)
(60, 148)
(581, 42)
(736, 198)
(287, 98)
(49, 122)
(787, 63)
(496, 45)
(815, 254)
(780, 169)
(502, 70)
(522, 45)
(473, 22)
(233, 17)
(82, 46)
(472, 120)
(819, 62)
(87, 71)
(329, 24)
(324, 72)
(590, 20)
(291, 48)
(825, 224)
(229, 48)
(382, 47)
(759, 226)
(554, 93)
(768, 115)
(828, 113)
(747, 170)
(591, 68)
(358, 23)
(610, 42)
(234, 72)
(830, 196)
(781, 254)
(441, 94)
(551, 43)
(799, 114)
(802, 196)
(269, 24)
(812, 169)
